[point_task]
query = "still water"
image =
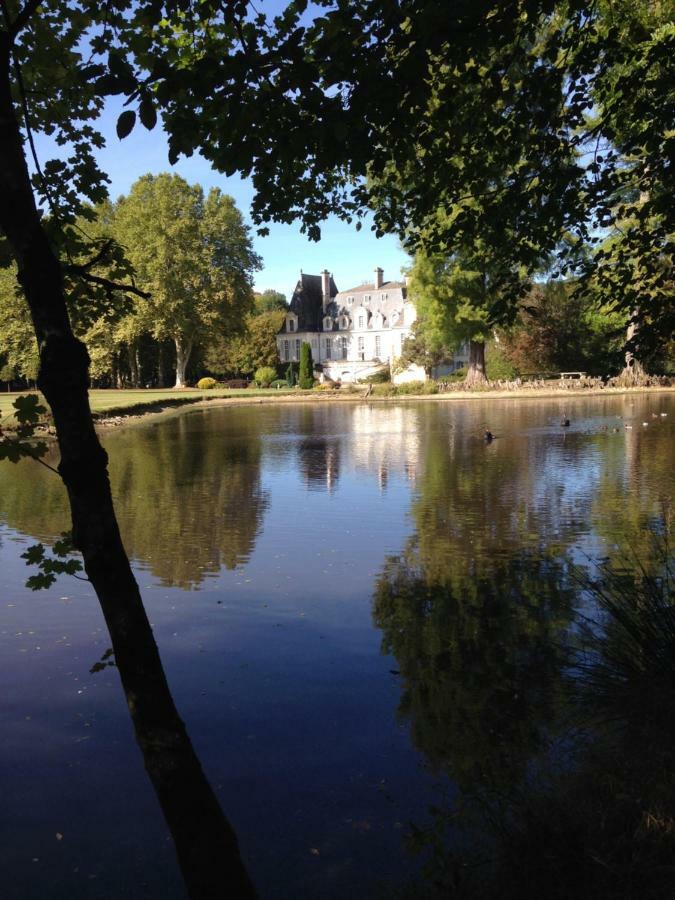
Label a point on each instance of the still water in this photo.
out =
(360, 610)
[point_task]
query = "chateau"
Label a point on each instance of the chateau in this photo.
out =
(352, 333)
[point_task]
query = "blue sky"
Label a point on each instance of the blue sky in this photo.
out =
(350, 255)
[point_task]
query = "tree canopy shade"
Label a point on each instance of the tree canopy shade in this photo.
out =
(193, 256)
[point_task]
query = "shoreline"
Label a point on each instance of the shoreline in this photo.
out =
(161, 408)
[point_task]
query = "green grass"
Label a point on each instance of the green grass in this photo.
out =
(105, 401)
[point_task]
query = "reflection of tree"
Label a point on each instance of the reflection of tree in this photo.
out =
(201, 484)
(480, 668)
(474, 611)
(627, 507)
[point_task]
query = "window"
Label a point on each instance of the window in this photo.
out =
(384, 296)
(367, 298)
(343, 341)
(286, 351)
(378, 346)
(327, 346)
(291, 325)
(297, 349)
(345, 322)
(350, 300)
(361, 321)
(362, 348)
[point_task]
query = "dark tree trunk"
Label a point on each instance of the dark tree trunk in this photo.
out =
(476, 370)
(134, 372)
(161, 366)
(205, 842)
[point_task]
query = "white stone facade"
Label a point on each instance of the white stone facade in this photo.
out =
(352, 333)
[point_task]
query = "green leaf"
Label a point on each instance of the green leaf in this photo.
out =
(125, 123)
(147, 113)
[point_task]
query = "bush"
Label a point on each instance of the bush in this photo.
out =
(418, 387)
(453, 377)
(305, 376)
(381, 377)
(264, 376)
(206, 384)
(236, 383)
(279, 383)
(498, 367)
(385, 390)
(326, 386)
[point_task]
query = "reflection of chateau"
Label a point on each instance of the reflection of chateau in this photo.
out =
(386, 442)
(352, 333)
(371, 441)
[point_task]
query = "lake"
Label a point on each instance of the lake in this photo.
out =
(360, 609)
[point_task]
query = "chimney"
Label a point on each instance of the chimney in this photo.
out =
(325, 289)
(379, 278)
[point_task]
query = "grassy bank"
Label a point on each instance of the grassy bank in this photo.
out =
(130, 402)
(119, 403)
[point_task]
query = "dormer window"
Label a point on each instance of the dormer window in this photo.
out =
(328, 324)
(291, 323)
(344, 322)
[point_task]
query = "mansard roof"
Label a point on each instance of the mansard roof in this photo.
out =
(307, 302)
(371, 289)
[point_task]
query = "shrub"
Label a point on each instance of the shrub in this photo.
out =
(305, 375)
(380, 377)
(206, 384)
(385, 390)
(413, 387)
(279, 383)
(453, 377)
(236, 383)
(264, 376)
(498, 367)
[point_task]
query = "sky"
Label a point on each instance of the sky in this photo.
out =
(349, 255)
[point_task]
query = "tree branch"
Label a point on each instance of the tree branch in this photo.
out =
(105, 283)
(23, 18)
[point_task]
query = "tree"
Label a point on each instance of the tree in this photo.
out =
(455, 301)
(243, 354)
(306, 369)
(192, 255)
(561, 328)
(269, 301)
(421, 349)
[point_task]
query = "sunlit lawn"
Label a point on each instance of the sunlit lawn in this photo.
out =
(104, 400)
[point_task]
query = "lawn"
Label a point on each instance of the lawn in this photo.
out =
(107, 400)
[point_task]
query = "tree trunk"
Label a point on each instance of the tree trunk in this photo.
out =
(205, 842)
(183, 351)
(134, 375)
(161, 366)
(633, 373)
(476, 370)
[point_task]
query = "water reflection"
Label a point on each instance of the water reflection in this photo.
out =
(311, 522)
(475, 608)
(188, 497)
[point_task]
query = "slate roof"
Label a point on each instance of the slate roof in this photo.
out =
(370, 288)
(307, 303)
